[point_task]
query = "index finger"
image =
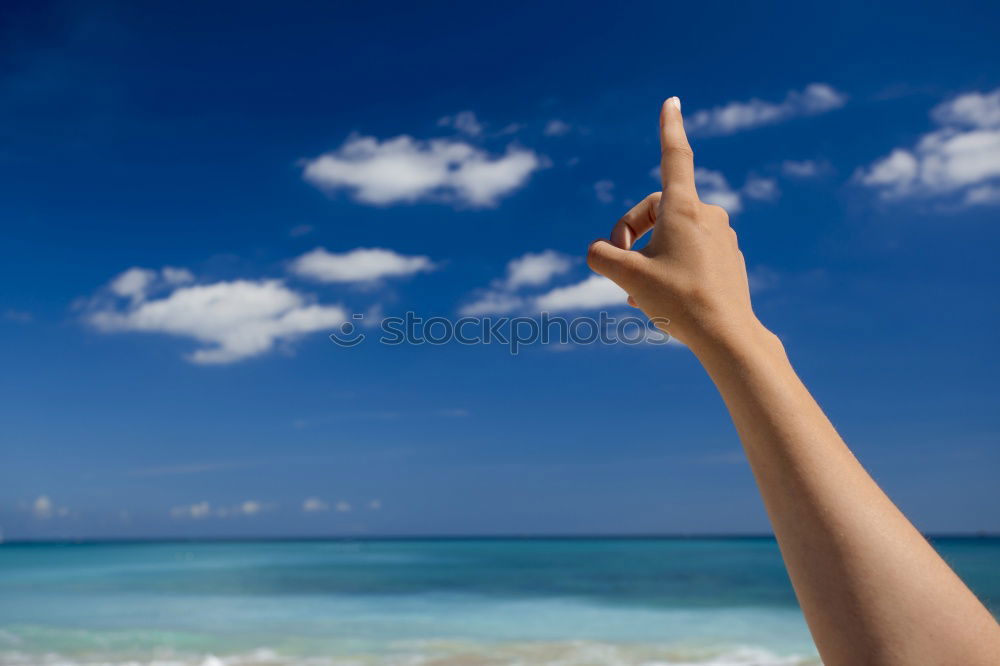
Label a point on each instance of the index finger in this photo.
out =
(676, 156)
(635, 223)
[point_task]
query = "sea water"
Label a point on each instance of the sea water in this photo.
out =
(417, 602)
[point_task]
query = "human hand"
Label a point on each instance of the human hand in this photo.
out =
(692, 272)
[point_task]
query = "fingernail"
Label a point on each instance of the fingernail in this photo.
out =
(676, 102)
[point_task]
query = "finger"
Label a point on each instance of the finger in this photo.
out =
(635, 223)
(623, 267)
(676, 156)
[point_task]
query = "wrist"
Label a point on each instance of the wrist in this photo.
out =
(735, 343)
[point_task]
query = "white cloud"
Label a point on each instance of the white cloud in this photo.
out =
(713, 188)
(959, 161)
(973, 110)
(536, 268)
(232, 320)
(314, 504)
(463, 121)
(532, 269)
(405, 170)
(132, 283)
(594, 292)
(18, 316)
(135, 283)
(342, 506)
(203, 509)
(604, 189)
(375, 505)
(737, 116)
(492, 302)
(802, 169)
(196, 511)
(556, 127)
(42, 507)
(762, 189)
(901, 166)
(983, 195)
(762, 278)
(359, 265)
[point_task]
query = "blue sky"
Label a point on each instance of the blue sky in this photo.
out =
(192, 195)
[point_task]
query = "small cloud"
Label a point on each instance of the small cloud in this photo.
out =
(713, 188)
(536, 268)
(532, 269)
(454, 413)
(135, 283)
(314, 505)
(604, 189)
(973, 110)
(232, 320)
(132, 283)
(359, 265)
(408, 170)
(195, 511)
(300, 230)
(202, 510)
(803, 168)
(556, 127)
(375, 505)
(959, 162)
(762, 189)
(983, 195)
(342, 506)
(18, 316)
(464, 121)
(492, 302)
(734, 117)
(592, 293)
(762, 278)
(42, 507)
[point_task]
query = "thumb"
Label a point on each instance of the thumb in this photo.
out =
(618, 265)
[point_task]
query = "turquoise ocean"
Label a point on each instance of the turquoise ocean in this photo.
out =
(441, 602)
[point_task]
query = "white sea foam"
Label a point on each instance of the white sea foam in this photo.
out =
(441, 653)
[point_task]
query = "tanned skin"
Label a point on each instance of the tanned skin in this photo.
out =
(872, 589)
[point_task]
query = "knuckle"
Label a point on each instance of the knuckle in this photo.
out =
(684, 205)
(652, 203)
(633, 262)
(681, 150)
(716, 212)
(594, 255)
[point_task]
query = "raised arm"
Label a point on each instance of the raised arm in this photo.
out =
(872, 589)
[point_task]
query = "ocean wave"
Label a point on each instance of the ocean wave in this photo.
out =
(439, 653)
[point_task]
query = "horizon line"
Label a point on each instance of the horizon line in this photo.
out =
(443, 537)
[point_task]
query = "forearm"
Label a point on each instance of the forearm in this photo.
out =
(872, 589)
